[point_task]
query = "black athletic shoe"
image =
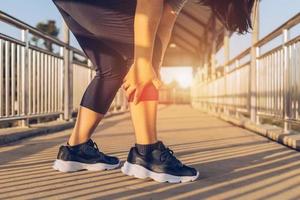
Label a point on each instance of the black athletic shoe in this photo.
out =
(161, 165)
(83, 156)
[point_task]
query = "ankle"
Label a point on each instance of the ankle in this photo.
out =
(73, 143)
(144, 149)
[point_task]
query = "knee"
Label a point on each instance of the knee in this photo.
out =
(115, 69)
(150, 93)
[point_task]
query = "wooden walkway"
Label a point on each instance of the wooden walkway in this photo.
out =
(234, 163)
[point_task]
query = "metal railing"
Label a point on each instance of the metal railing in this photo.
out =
(277, 82)
(33, 79)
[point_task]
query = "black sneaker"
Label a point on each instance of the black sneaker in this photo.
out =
(161, 165)
(84, 156)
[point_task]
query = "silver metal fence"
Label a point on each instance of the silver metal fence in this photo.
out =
(277, 91)
(229, 91)
(32, 78)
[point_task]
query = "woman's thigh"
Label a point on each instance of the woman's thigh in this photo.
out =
(104, 30)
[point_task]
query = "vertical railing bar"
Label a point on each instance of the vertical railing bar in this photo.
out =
(294, 71)
(287, 95)
(48, 84)
(268, 85)
(291, 56)
(55, 83)
(282, 83)
(42, 82)
(298, 78)
(258, 88)
(25, 74)
(276, 84)
(261, 76)
(34, 81)
(19, 79)
(273, 74)
(52, 82)
(262, 81)
(257, 62)
(46, 68)
(38, 82)
(279, 83)
(264, 67)
(295, 81)
(1, 77)
(12, 75)
(29, 71)
(7, 43)
(61, 86)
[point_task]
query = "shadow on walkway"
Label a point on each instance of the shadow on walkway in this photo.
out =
(233, 163)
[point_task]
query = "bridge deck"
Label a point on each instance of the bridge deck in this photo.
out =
(234, 163)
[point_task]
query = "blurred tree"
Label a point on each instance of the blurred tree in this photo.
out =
(50, 28)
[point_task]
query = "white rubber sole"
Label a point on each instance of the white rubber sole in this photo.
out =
(71, 166)
(142, 173)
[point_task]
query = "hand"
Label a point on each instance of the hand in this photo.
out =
(137, 78)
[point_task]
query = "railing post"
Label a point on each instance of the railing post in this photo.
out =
(287, 91)
(116, 102)
(67, 75)
(1, 79)
(226, 60)
(213, 74)
(237, 78)
(252, 96)
(25, 78)
(124, 101)
(61, 80)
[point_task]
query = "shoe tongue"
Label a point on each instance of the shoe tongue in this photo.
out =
(90, 142)
(161, 146)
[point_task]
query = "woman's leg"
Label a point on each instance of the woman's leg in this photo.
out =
(144, 114)
(111, 66)
(149, 157)
(86, 122)
(97, 98)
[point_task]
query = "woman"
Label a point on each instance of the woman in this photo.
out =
(126, 41)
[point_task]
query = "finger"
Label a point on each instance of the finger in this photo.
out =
(136, 96)
(129, 91)
(157, 83)
(125, 85)
(138, 93)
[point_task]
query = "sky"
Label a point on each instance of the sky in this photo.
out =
(272, 14)
(183, 75)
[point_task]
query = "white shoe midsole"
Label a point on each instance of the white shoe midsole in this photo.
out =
(70, 166)
(141, 172)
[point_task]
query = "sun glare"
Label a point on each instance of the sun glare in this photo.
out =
(183, 75)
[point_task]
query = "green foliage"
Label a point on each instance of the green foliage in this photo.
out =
(49, 28)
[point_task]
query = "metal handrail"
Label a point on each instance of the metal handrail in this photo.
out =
(22, 25)
(37, 82)
(276, 91)
(278, 31)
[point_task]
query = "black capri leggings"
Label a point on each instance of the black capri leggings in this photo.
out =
(105, 31)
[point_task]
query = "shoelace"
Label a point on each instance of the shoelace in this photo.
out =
(168, 154)
(96, 149)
